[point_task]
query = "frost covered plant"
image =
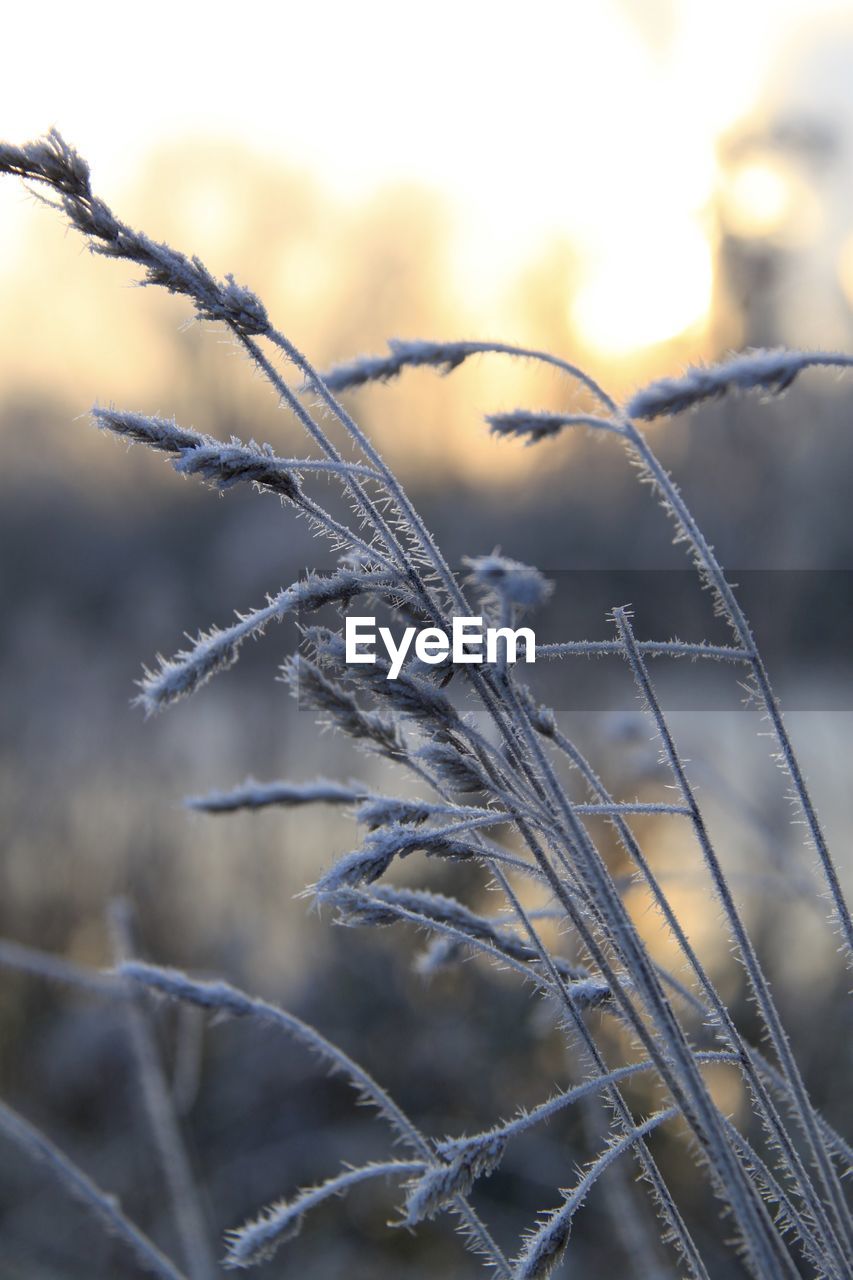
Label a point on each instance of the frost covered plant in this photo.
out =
(492, 797)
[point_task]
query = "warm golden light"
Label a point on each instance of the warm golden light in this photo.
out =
(758, 199)
(655, 286)
(605, 142)
(845, 268)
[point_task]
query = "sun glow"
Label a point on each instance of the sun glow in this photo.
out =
(845, 268)
(596, 124)
(758, 199)
(657, 286)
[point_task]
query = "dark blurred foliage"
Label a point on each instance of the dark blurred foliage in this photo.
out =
(106, 558)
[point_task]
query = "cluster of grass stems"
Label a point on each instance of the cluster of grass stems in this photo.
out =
(493, 796)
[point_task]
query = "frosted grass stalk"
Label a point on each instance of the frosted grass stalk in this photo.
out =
(758, 982)
(416, 724)
(715, 1009)
(258, 1241)
(221, 997)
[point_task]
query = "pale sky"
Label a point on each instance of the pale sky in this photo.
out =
(596, 119)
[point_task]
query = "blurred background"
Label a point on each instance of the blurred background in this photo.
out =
(634, 185)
